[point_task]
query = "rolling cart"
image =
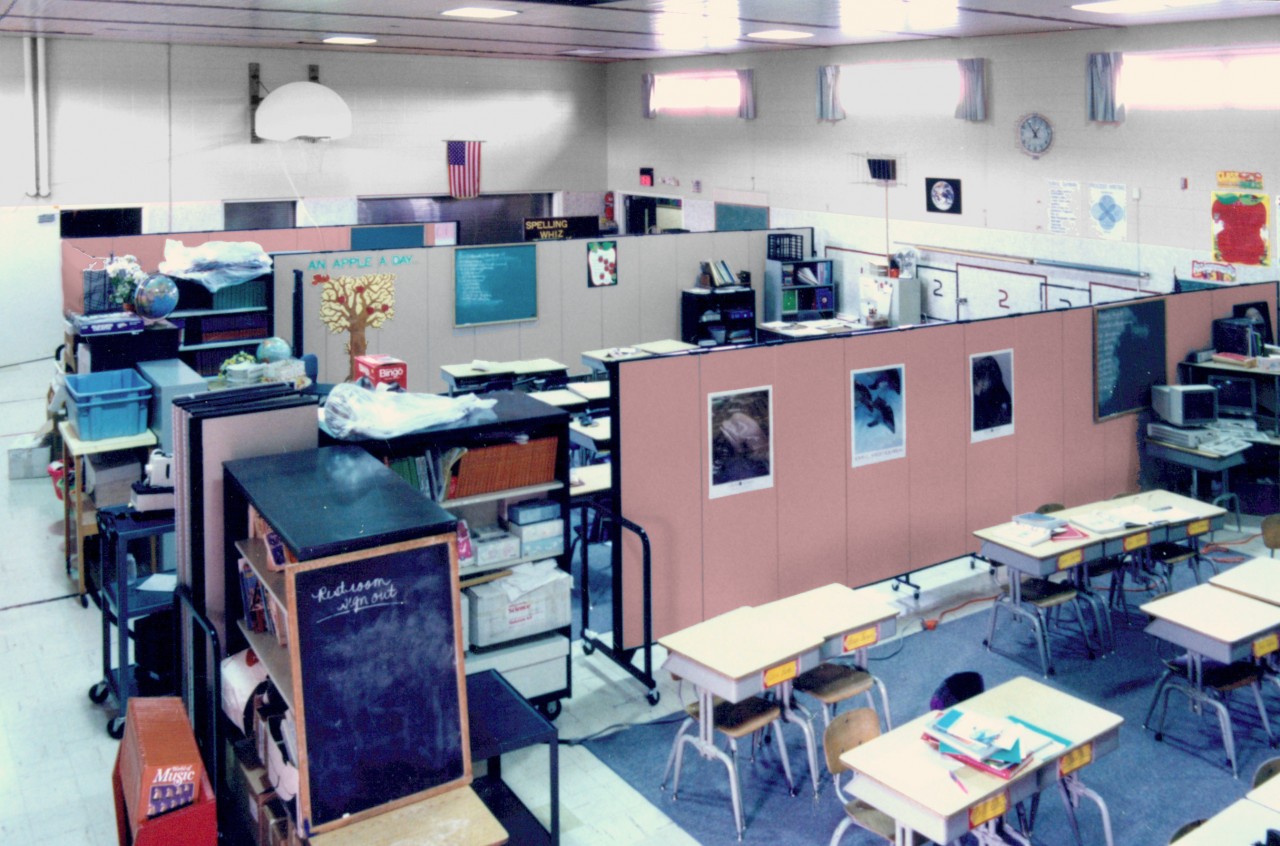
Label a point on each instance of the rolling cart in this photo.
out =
(123, 600)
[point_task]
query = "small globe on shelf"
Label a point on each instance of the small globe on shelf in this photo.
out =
(156, 297)
(274, 349)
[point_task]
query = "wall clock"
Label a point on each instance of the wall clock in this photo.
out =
(1035, 135)
(942, 195)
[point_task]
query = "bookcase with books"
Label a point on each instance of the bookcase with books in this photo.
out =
(712, 317)
(344, 582)
(503, 473)
(216, 326)
(799, 290)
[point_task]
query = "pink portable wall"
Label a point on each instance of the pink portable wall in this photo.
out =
(1039, 404)
(991, 471)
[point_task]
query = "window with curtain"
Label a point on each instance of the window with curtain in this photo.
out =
(1203, 80)
(700, 93)
(883, 89)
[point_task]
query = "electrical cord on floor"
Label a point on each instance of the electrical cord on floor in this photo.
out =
(931, 624)
(618, 727)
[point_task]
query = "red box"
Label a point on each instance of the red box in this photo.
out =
(383, 369)
(160, 766)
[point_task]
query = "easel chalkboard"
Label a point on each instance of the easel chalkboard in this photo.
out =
(381, 713)
(1128, 356)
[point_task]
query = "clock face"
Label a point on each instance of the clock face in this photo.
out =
(1035, 135)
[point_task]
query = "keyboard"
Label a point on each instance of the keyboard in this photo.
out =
(1224, 445)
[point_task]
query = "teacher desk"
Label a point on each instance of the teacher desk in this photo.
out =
(906, 778)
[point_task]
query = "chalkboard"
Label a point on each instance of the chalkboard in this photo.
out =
(381, 714)
(731, 217)
(1128, 356)
(495, 285)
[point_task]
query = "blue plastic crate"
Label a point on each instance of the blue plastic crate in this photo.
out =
(108, 404)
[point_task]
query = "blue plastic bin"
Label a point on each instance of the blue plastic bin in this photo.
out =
(108, 404)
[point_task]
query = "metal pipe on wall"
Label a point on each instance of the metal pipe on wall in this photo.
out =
(44, 189)
(29, 97)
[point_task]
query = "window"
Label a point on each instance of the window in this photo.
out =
(697, 93)
(1223, 79)
(901, 88)
(259, 214)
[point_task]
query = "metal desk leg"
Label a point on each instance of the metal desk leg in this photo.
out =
(705, 746)
(806, 728)
(1073, 789)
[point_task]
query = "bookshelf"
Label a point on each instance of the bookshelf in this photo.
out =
(713, 317)
(216, 326)
(799, 290)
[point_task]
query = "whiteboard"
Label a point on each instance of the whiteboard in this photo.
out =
(985, 292)
(937, 292)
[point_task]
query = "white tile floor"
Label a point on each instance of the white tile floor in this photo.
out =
(56, 757)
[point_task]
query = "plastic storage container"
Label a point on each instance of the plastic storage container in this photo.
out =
(109, 404)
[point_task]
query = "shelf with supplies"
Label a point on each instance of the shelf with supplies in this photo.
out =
(330, 557)
(508, 471)
(799, 290)
(712, 317)
(216, 325)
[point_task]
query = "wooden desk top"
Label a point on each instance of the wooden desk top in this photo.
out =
(75, 446)
(594, 478)
(831, 610)
(1221, 615)
(908, 766)
(560, 397)
(1243, 822)
(1256, 578)
(740, 642)
(454, 818)
(591, 390)
(1267, 794)
(599, 432)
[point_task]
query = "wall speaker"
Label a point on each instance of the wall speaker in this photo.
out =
(884, 170)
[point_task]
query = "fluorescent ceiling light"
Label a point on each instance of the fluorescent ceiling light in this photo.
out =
(479, 12)
(350, 39)
(581, 51)
(1134, 7)
(779, 34)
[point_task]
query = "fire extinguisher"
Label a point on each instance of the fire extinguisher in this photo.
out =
(608, 205)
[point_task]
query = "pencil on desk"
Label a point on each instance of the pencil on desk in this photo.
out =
(956, 779)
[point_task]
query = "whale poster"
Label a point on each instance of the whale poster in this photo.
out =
(879, 414)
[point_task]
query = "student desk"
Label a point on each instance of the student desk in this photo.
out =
(79, 517)
(1043, 559)
(585, 483)
(599, 359)
(595, 438)
(1259, 579)
(1210, 622)
(453, 818)
(596, 394)
(468, 377)
(562, 398)
(735, 656)
(1197, 460)
(1242, 823)
(1267, 794)
(903, 776)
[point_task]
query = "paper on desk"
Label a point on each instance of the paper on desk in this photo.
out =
(160, 582)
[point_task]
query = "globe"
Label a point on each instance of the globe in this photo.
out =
(274, 349)
(155, 297)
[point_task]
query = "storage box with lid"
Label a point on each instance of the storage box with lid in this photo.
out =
(532, 600)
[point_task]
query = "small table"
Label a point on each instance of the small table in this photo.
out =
(904, 777)
(79, 517)
(1259, 579)
(1221, 625)
(1242, 822)
(501, 720)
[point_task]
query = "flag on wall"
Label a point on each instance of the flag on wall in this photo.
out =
(464, 168)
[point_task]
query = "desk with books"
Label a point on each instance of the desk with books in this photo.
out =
(904, 776)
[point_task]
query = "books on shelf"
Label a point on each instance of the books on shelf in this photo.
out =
(1002, 746)
(1235, 358)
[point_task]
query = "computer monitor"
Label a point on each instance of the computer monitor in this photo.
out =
(1237, 395)
(1185, 405)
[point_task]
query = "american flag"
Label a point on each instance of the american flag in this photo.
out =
(464, 169)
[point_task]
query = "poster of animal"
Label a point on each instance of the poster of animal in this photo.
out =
(991, 387)
(879, 414)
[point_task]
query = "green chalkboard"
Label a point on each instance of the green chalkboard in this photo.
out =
(495, 285)
(730, 217)
(1128, 356)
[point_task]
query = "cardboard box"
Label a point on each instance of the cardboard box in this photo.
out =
(543, 547)
(537, 531)
(494, 546)
(29, 457)
(496, 616)
(109, 476)
(383, 369)
(160, 765)
(533, 511)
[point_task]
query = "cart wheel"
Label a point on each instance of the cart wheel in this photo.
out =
(115, 728)
(894, 586)
(84, 600)
(653, 696)
(588, 647)
(98, 693)
(551, 709)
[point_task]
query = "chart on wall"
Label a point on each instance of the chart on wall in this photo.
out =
(1128, 356)
(879, 414)
(1240, 228)
(740, 436)
(991, 395)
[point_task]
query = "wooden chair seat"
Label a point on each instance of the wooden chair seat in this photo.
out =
(1044, 593)
(872, 819)
(737, 720)
(831, 683)
(1168, 553)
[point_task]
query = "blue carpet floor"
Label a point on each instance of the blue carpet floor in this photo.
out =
(1151, 787)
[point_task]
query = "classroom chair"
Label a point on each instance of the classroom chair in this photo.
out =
(1265, 771)
(1040, 600)
(1271, 533)
(735, 721)
(848, 731)
(1082, 578)
(1217, 681)
(832, 683)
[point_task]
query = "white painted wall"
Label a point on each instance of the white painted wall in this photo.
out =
(811, 172)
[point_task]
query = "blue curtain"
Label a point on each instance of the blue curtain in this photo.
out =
(747, 97)
(828, 97)
(646, 96)
(973, 90)
(1104, 74)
